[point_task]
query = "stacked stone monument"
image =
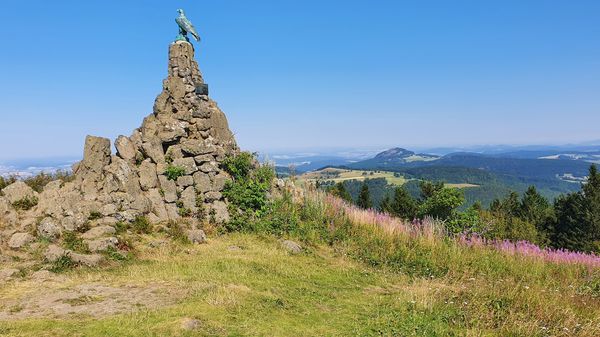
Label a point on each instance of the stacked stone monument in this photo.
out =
(168, 169)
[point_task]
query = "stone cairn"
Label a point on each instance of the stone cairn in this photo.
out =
(168, 169)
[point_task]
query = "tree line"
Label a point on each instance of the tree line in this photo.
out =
(571, 222)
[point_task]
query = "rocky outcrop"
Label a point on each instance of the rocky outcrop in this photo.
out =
(166, 169)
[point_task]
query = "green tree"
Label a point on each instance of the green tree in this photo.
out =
(386, 205)
(428, 188)
(403, 205)
(340, 191)
(442, 203)
(577, 225)
(364, 197)
(536, 210)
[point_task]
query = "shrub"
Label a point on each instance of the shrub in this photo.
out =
(38, 182)
(6, 181)
(94, 215)
(176, 232)
(74, 243)
(247, 191)
(63, 264)
(25, 203)
(173, 172)
(141, 225)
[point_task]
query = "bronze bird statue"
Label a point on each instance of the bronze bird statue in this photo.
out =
(185, 27)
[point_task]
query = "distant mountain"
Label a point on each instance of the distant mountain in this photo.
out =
(392, 158)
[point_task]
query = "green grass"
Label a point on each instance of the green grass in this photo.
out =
(261, 290)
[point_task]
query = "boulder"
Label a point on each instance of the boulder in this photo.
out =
(19, 240)
(102, 244)
(185, 181)
(188, 198)
(148, 175)
(189, 164)
(96, 154)
(49, 228)
(202, 182)
(6, 274)
(209, 167)
(125, 148)
(196, 236)
(190, 324)
(291, 246)
(98, 232)
(54, 252)
(18, 191)
(169, 189)
(91, 260)
(221, 212)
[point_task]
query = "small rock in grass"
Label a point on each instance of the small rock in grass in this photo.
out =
(196, 236)
(292, 246)
(18, 240)
(6, 274)
(190, 324)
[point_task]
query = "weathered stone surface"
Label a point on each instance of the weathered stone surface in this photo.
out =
(18, 191)
(91, 260)
(99, 231)
(209, 167)
(188, 198)
(125, 148)
(153, 149)
(49, 228)
(168, 188)
(158, 204)
(148, 175)
(190, 324)
(196, 236)
(102, 244)
(221, 212)
(185, 181)
(19, 240)
(186, 129)
(189, 164)
(96, 154)
(219, 180)
(211, 196)
(54, 252)
(6, 274)
(291, 246)
(202, 182)
(73, 222)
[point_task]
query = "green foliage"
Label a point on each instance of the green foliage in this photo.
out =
(141, 225)
(340, 191)
(577, 224)
(111, 253)
(247, 191)
(239, 166)
(63, 264)
(173, 172)
(440, 203)
(73, 242)
(26, 203)
(403, 205)
(95, 215)
(6, 181)
(38, 182)
(364, 198)
(176, 232)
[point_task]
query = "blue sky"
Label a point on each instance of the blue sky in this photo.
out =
(307, 74)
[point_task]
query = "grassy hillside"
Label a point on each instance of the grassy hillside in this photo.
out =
(360, 274)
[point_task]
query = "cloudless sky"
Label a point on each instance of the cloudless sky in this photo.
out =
(310, 73)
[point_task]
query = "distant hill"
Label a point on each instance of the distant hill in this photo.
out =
(494, 174)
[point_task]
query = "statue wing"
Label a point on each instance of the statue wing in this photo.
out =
(186, 25)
